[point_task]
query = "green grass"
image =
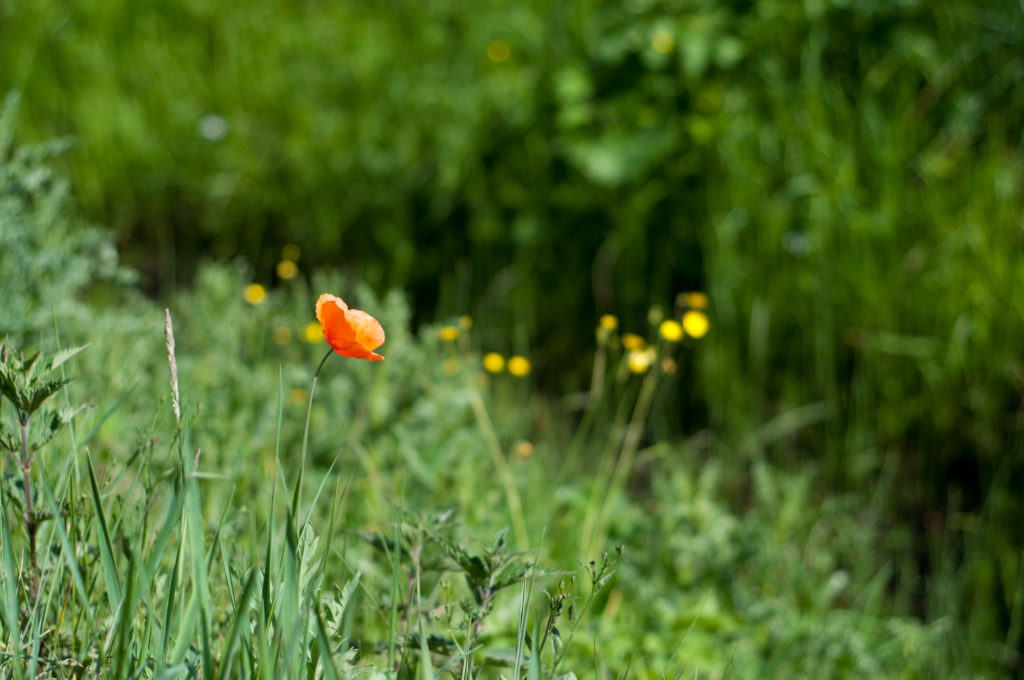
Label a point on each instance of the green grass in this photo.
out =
(770, 487)
(184, 551)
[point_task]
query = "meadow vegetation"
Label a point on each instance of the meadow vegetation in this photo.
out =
(451, 519)
(761, 419)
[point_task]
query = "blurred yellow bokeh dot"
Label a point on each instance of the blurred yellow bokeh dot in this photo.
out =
(255, 294)
(640, 360)
(290, 252)
(286, 269)
(695, 300)
(298, 395)
(282, 335)
(632, 341)
(450, 366)
(662, 41)
(695, 324)
(311, 332)
(609, 322)
(519, 366)
(498, 51)
(671, 330)
(494, 362)
(448, 333)
(524, 449)
(465, 321)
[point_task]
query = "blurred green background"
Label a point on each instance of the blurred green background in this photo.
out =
(844, 179)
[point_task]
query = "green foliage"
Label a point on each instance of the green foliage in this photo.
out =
(835, 174)
(173, 547)
(48, 256)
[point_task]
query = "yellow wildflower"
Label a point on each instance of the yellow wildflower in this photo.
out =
(311, 332)
(255, 294)
(286, 269)
(494, 362)
(524, 449)
(519, 366)
(632, 341)
(448, 333)
(695, 300)
(695, 324)
(640, 360)
(609, 322)
(671, 330)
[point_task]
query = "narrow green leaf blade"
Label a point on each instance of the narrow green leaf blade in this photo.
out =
(106, 550)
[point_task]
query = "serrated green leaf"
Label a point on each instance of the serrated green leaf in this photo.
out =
(54, 421)
(28, 366)
(309, 561)
(9, 439)
(63, 355)
(39, 392)
(474, 567)
(10, 385)
(326, 657)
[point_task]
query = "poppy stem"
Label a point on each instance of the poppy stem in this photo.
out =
(305, 440)
(322, 362)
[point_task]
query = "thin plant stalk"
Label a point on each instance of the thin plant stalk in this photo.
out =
(305, 434)
(515, 505)
(26, 465)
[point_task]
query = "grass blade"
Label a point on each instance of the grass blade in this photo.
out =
(106, 550)
(241, 616)
(10, 595)
(67, 549)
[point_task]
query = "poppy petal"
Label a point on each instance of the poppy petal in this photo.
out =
(368, 331)
(325, 300)
(349, 332)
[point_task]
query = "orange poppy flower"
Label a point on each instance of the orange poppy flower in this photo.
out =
(349, 332)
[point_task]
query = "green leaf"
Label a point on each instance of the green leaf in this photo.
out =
(9, 608)
(40, 392)
(28, 366)
(239, 619)
(121, 652)
(67, 549)
(326, 658)
(474, 567)
(9, 439)
(106, 549)
(56, 421)
(309, 562)
(11, 385)
(426, 666)
(533, 671)
(63, 355)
